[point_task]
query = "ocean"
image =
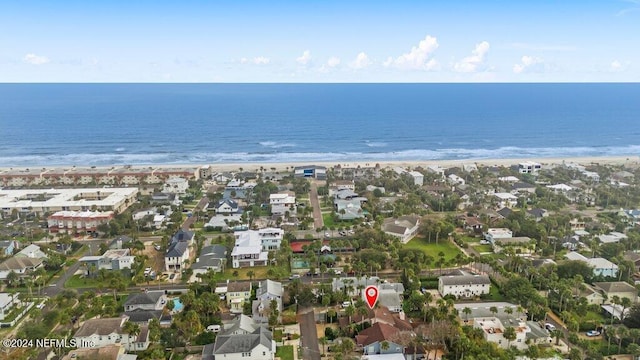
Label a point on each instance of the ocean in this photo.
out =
(104, 124)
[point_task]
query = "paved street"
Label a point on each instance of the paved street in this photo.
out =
(190, 220)
(308, 335)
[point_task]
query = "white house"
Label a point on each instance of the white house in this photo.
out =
(7, 302)
(252, 247)
(176, 185)
(269, 238)
(456, 180)
(404, 227)
(464, 286)
(109, 331)
(266, 292)
(529, 167)
(258, 345)
(418, 178)
(19, 265)
(612, 237)
(493, 331)
(178, 250)
(282, 203)
(494, 234)
(31, 251)
(227, 206)
(507, 200)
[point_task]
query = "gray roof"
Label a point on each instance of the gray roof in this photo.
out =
(242, 323)
(177, 249)
(389, 298)
(505, 212)
(104, 326)
(144, 316)
(536, 331)
(206, 262)
(465, 280)
(269, 287)
(19, 263)
(238, 286)
(615, 286)
(182, 235)
(232, 344)
(218, 251)
(229, 202)
(149, 297)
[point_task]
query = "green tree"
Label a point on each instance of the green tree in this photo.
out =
(509, 334)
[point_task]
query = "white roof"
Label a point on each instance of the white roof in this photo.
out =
(509, 178)
(561, 187)
(14, 199)
(575, 256)
(415, 173)
(5, 299)
(601, 263)
(505, 196)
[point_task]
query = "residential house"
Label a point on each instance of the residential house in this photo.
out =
(176, 185)
(472, 224)
(436, 169)
(537, 214)
(348, 209)
(139, 215)
(373, 188)
(237, 294)
(352, 286)
(109, 331)
(148, 300)
(7, 303)
(494, 234)
(523, 187)
(560, 188)
(338, 185)
(634, 257)
(110, 260)
(464, 286)
(612, 237)
(120, 242)
(212, 257)
(282, 203)
(509, 179)
(31, 251)
(404, 227)
(418, 178)
(141, 316)
(227, 222)
(227, 206)
(389, 297)
(620, 289)
(505, 212)
(248, 252)
(577, 225)
(19, 265)
(258, 345)
(178, 250)
(593, 295)
(7, 247)
(268, 238)
(506, 200)
(600, 266)
(379, 314)
(371, 339)
(266, 292)
(240, 325)
(455, 180)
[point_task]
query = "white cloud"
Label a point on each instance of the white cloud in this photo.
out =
(34, 59)
(475, 61)
(361, 61)
(333, 61)
(618, 66)
(258, 60)
(542, 47)
(305, 58)
(419, 58)
(528, 63)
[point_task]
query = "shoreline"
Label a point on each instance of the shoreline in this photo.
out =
(279, 166)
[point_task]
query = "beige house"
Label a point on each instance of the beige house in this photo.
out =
(620, 289)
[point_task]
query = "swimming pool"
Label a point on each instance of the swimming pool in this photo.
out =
(177, 304)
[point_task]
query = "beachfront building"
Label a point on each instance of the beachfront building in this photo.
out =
(418, 178)
(310, 171)
(73, 222)
(114, 176)
(41, 201)
(529, 167)
(176, 185)
(282, 203)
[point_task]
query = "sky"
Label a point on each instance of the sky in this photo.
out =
(320, 41)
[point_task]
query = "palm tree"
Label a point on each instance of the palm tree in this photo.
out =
(494, 310)
(131, 328)
(251, 274)
(558, 334)
(509, 334)
(466, 311)
(350, 311)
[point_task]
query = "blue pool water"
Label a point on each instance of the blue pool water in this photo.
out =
(178, 306)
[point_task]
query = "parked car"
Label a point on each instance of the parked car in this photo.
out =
(294, 276)
(593, 333)
(484, 242)
(345, 304)
(213, 328)
(549, 326)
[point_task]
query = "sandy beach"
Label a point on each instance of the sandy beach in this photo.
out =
(630, 160)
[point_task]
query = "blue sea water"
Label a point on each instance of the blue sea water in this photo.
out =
(102, 124)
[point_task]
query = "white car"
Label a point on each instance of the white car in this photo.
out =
(549, 326)
(346, 304)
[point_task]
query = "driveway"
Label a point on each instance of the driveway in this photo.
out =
(190, 220)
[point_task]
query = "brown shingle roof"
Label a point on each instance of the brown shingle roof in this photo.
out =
(376, 333)
(238, 286)
(19, 263)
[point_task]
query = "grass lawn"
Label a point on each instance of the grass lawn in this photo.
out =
(483, 248)
(432, 249)
(285, 352)
(328, 220)
(470, 240)
(81, 282)
(260, 272)
(494, 293)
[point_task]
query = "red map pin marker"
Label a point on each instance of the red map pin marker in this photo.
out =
(371, 295)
